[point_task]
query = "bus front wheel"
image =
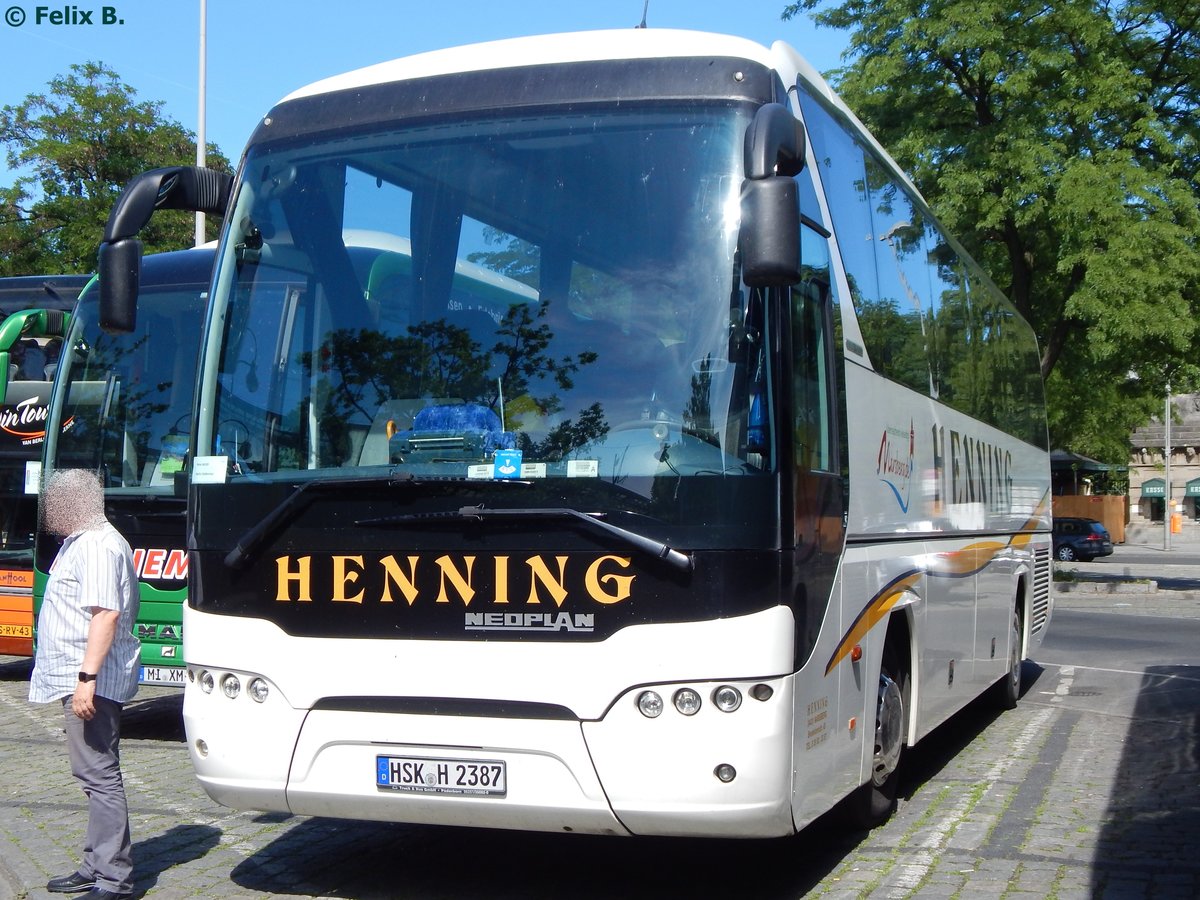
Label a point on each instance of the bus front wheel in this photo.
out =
(874, 802)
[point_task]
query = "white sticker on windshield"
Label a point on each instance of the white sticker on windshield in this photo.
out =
(210, 470)
(33, 475)
(583, 468)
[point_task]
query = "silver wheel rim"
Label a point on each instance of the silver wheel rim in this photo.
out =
(1014, 661)
(889, 727)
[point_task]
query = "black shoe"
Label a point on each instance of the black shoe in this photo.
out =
(99, 893)
(69, 884)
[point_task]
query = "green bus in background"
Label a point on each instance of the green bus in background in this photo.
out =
(122, 406)
(34, 310)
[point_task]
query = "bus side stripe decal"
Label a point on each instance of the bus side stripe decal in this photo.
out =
(870, 616)
(967, 562)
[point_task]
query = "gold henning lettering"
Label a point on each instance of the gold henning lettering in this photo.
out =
(620, 583)
(341, 578)
(501, 579)
(541, 573)
(461, 584)
(302, 577)
(392, 573)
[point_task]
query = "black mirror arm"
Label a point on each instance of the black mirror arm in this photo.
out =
(176, 187)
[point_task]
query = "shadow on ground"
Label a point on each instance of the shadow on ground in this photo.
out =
(1155, 800)
(181, 844)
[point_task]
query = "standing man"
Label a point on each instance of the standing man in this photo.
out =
(87, 657)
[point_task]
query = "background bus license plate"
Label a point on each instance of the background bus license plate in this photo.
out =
(173, 675)
(424, 775)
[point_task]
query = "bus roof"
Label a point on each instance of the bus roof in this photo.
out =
(40, 292)
(627, 43)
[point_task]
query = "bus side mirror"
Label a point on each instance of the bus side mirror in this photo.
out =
(191, 188)
(769, 238)
(769, 241)
(120, 271)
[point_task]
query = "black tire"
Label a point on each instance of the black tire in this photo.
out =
(1007, 691)
(873, 803)
(1066, 553)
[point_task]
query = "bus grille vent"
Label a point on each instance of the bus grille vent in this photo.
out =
(1041, 589)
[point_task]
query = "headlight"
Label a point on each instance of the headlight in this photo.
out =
(206, 682)
(650, 704)
(687, 701)
(727, 698)
(257, 689)
(230, 686)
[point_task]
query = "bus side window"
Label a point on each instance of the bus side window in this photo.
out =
(811, 396)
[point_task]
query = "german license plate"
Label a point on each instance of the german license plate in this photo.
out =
(170, 675)
(435, 775)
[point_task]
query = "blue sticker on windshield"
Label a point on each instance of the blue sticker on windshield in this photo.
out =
(507, 464)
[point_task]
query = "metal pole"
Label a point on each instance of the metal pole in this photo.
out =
(1167, 460)
(200, 138)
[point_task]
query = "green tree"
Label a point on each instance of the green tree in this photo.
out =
(80, 143)
(1060, 143)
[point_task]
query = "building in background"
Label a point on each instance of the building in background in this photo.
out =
(1148, 493)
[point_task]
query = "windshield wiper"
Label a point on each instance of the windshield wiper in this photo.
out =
(240, 556)
(665, 552)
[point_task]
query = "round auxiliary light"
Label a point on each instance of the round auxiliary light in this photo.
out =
(725, 773)
(650, 704)
(230, 686)
(761, 692)
(201, 747)
(207, 683)
(257, 689)
(727, 698)
(687, 701)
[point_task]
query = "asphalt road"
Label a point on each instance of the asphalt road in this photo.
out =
(1090, 788)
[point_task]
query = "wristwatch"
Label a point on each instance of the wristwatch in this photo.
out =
(85, 677)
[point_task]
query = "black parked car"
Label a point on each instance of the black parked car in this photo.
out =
(1081, 539)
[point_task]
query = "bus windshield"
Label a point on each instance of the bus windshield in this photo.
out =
(127, 399)
(549, 297)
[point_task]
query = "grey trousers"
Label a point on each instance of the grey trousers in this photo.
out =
(96, 764)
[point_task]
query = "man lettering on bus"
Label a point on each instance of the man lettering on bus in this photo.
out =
(87, 657)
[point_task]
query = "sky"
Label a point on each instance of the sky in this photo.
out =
(261, 50)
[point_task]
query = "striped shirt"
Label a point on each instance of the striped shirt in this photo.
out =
(93, 568)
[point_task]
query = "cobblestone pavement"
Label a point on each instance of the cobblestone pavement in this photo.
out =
(1090, 788)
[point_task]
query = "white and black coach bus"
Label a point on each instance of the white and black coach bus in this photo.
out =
(632, 453)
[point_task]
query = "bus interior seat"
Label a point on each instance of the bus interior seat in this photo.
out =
(389, 291)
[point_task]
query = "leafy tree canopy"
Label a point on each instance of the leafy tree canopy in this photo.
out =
(1060, 142)
(81, 142)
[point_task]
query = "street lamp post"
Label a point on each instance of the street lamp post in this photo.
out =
(200, 138)
(1167, 462)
